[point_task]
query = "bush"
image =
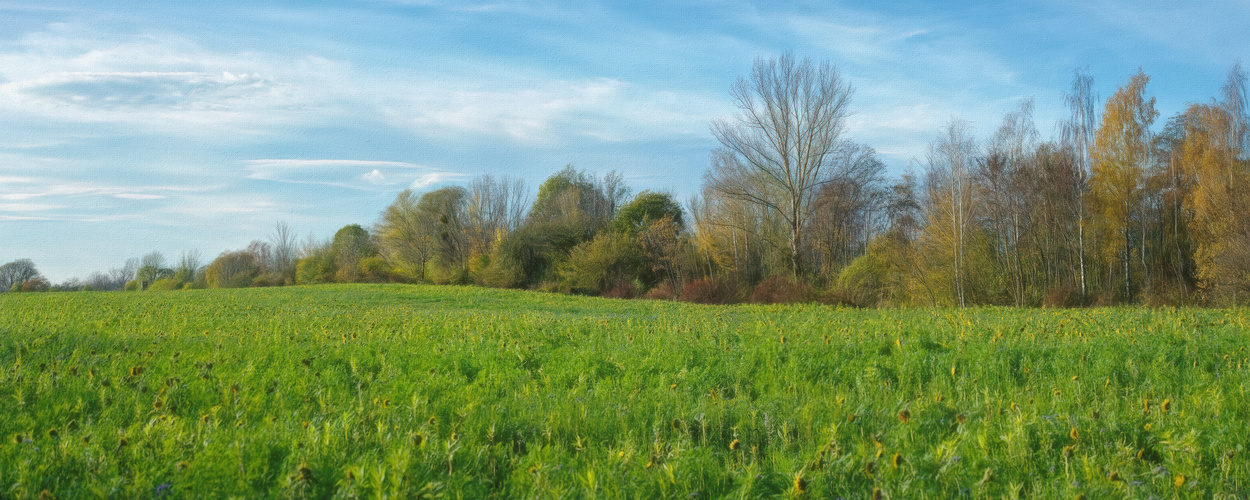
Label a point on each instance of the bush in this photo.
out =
(36, 284)
(598, 265)
(781, 290)
(710, 291)
(840, 296)
(1063, 297)
(133, 286)
(165, 284)
(621, 290)
(662, 291)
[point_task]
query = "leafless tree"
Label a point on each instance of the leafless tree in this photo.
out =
(16, 272)
(495, 208)
(1078, 136)
(283, 243)
(775, 152)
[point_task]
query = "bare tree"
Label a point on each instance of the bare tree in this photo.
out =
(1078, 136)
(495, 208)
(950, 196)
(121, 275)
(16, 272)
(774, 153)
(282, 241)
(189, 263)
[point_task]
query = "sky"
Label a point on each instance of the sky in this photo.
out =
(128, 127)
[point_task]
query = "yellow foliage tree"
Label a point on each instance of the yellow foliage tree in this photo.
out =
(1215, 152)
(1119, 158)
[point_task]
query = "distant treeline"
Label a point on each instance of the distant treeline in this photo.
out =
(1109, 212)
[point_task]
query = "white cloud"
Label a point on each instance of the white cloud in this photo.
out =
(352, 174)
(374, 176)
(426, 180)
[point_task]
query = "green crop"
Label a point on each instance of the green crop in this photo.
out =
(416, 391)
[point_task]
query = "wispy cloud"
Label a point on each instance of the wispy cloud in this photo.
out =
(369, 175)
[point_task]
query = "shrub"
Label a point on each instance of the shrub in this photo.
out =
(1063, 297)
(596, 266)
(840, 296)
(781, 290)
(662, 291)
(165, 284)
(710, 291)
(621, 290)
(36, 284)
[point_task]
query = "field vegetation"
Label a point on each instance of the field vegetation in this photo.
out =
(462, 392)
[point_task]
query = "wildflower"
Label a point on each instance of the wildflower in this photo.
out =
(1166, 405)
(904, 416)
(1141, 452)
(870, 468)
(877, 494)
(1180, 480)
(1147, 426)
(183, 465)
(1114, 476)
(1146, 406)
(850, 417)
(1074, 434)
(896, 460)
(960, 418)
(136, 370)
(431, 421)
(733, 445)
(800, 484)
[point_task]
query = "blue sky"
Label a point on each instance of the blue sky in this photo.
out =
(129, 127)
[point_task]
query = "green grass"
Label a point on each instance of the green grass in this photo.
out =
(371, 390)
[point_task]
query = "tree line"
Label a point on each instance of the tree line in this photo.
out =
(1110, 211)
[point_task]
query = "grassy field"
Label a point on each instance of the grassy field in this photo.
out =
(414, 391)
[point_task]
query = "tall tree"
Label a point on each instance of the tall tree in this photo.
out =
(951, 213)
(282, 241)
(776, 150)
(404, 237)
(1078, 136)
(1120, 156)
(1217, 149)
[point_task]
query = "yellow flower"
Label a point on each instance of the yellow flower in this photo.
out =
(1180, 480)
(733, 445)
(1074, 434)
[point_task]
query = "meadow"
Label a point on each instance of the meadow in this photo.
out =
(459, 392)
